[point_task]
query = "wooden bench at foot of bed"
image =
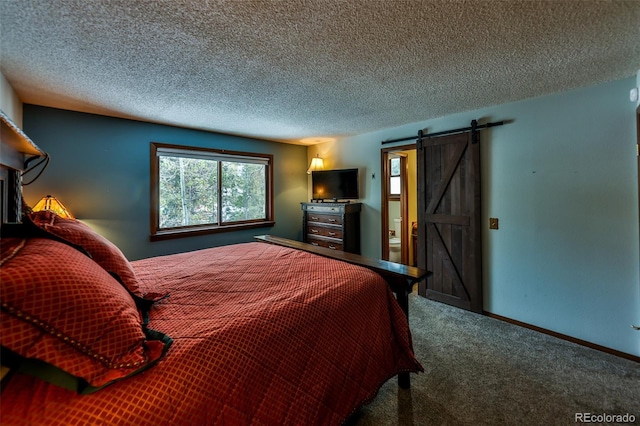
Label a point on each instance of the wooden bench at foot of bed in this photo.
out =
(400, 278)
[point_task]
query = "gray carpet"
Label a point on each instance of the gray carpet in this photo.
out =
(482, 371)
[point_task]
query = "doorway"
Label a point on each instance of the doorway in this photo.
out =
(399, 204)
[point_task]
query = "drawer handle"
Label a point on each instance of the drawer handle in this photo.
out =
(332, 234)
(314, 218)
(332, 220)
(314, 244)
(333, 247)
(314, 231)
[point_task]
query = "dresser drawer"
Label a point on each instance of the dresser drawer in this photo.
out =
(324, 208)
(324, 243)
(332, 225)
(324, 231)
(324, 218)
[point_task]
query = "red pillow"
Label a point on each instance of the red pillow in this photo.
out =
(61, 308)
(101, 250)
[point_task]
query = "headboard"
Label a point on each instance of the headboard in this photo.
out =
(17, 151)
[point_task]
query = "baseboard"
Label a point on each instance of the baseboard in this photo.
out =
(565, 337)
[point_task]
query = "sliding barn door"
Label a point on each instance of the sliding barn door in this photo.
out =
(449, 219)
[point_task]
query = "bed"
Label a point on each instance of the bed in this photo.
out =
(264, 332)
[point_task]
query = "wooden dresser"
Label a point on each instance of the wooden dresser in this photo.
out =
(332, 225)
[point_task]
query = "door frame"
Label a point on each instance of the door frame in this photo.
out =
(404, 203)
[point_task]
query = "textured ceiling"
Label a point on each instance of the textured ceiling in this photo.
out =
(297, 70)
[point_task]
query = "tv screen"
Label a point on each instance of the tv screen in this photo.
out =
(335, 184)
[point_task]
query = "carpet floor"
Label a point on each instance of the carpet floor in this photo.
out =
(483, 371)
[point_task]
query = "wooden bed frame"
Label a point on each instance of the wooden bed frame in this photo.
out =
(400, 278)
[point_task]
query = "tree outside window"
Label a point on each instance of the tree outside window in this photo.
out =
(199, 190)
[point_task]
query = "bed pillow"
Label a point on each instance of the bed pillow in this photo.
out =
(101, 250)
(61, 312)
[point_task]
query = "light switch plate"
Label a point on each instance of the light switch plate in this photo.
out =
(493, 223)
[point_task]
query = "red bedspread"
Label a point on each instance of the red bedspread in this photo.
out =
(262, 335)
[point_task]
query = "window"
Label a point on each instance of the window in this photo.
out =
(200, 190)
(394, 178)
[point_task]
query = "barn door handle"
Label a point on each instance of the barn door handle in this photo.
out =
(635, 327)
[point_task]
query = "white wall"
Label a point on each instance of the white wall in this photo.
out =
(562, 179)
(10, 104)
(9, 101)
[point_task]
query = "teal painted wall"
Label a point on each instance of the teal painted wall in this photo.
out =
(99, 169)
(563, 180)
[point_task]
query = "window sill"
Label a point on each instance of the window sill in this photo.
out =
(167, 234)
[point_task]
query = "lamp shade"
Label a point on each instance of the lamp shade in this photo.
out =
(316, 164)
(52, 204)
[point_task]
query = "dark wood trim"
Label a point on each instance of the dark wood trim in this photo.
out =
(421, 249)
(384, 228)
(448, 219)
(154, 186)
(270, 207)
(383, 267)
(564, 337)
(205, 230)
(216, 150)
(404, 210)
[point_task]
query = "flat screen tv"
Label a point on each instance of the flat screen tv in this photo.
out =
(335, 185)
